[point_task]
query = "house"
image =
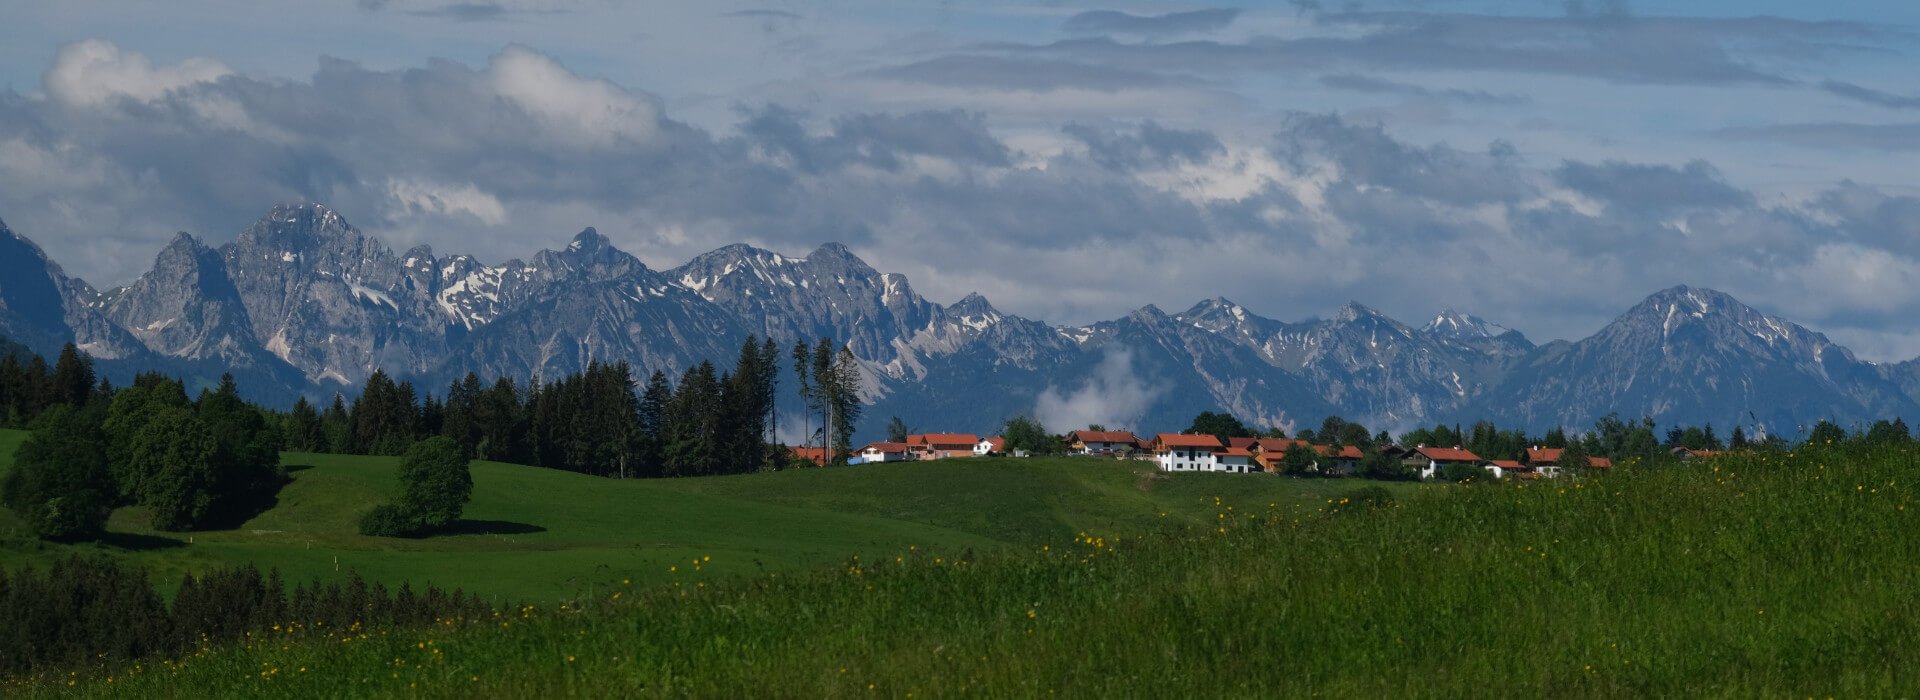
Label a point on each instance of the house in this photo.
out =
(1503, 468)
(1236, 460)
(1547, 460)
(1267, 452)
(1186, 453)
(941, 445)
(1102, 442)
(1687, 455)
(990, 446)
(1431, 460)
(884, 452)
(1341, 462)
(816, 455)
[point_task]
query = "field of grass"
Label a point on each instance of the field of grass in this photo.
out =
(542, 535)
(1745, 577)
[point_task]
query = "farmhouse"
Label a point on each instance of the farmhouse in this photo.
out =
(990, 446)
(1102, 442)
(1186, 453)
(1236, 460)
(1503, 468)
(1547, 460)
(941, 445)
(1431, 460)
(884, 452)
(1267, 452)
(1341, 462)
(816, 455)
(1687, 455)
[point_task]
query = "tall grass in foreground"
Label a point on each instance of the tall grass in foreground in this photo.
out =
(1747, 576)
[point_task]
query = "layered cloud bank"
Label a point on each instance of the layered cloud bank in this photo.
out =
(1060, 213)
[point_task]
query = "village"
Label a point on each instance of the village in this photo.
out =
(1180, 452)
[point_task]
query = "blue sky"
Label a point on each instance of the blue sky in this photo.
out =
(1540, 163)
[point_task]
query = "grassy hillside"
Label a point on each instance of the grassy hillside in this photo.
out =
(1755, 577)
(544, 535)
(1738, 578)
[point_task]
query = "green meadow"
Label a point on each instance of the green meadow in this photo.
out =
(542, 535)
(1748, 576)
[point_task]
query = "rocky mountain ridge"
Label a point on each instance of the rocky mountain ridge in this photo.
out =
(306, 303)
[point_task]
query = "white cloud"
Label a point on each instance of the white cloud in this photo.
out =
(93, 72)
(1114, 396)
(437, 199)
(593, 112)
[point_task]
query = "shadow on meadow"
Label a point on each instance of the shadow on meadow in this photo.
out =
(488, 527)
(134, 542)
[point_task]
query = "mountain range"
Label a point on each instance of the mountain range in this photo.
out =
(303, 303)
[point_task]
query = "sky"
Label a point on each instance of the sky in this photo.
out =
(1544, 164)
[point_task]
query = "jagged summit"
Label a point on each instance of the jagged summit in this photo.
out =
(302, 291)
(1464, 326)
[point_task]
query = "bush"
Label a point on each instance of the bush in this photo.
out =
(389, 520)
(435, 483)
(1463, 473)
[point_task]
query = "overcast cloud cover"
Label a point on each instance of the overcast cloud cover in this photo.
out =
(1543, 164)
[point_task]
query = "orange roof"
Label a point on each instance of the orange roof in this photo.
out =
(1346, 452)
(885, 446)
(1543, 455)
(817, 455)
(933, 439)
(1506, 464)
(1236, 452)
(1241, 442)
(1599, 462)
(999, 443)
(1447, 454)
(1275, 444)
(1101, 436)
(1180, 440)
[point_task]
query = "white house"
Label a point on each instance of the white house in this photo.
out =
(1101, 442)
(990, 446)
(1186, 453)
(1235, 460)
(884, 452)
(941, 445)
(1430, 460)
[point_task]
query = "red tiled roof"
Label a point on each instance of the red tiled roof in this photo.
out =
(1101, 436)
(1179, 440)
(1543, 455)
(817, 455)
(1241, 442)
(1599, 462)
(1447, 454)
(885, 446)
(936, 439)
(1506, 464)
(1236, 452)
(999, 443)
(1346, 452)
(1275, 444)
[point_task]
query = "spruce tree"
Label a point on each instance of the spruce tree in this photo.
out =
(651, 450)
(73, 378)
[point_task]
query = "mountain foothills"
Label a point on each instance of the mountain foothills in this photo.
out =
(304, 303)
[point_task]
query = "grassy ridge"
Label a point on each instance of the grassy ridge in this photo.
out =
(1747, 577)
(544, 535)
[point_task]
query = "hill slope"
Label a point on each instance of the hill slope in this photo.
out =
(542, 534)
(1743, 577)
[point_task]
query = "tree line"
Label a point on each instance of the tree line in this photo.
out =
(599, 421)
(192, 462)
(83, 611)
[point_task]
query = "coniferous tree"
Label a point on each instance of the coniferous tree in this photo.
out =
(691, 423)
(897, 430)
(383, 417)
(499, 418)
(654, 402)
(337, 425)
(1739, 439)
(73, 379)
(809, 397)
(305, 431)
(460, 414)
